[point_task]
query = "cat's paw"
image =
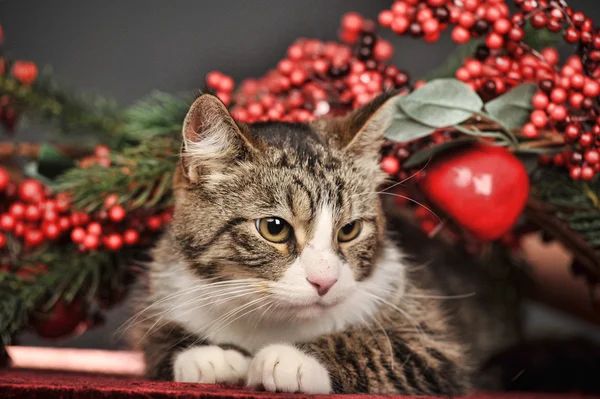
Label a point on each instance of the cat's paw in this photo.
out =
(210, 365)
(283, 368)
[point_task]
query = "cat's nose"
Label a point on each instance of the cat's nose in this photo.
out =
(322, 284)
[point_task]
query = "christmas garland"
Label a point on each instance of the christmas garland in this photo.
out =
(521, 129)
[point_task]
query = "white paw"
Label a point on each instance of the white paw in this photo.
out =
(283, 368)
(210, 365)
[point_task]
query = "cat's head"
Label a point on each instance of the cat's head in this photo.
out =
(288, 210)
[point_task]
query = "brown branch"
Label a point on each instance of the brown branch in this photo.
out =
(543, 215)
(32, 150)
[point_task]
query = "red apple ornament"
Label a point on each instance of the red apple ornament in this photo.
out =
(483, 188)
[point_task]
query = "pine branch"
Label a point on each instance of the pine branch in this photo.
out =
(69, 275)
(47, 103)
(570, 212)
(158, 114)
(141, 176)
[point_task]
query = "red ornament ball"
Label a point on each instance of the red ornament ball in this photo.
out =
(483, 188)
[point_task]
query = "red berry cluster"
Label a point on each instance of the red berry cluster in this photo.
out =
(25, 72)
(316, 78)
(429, 18)
(32, 214)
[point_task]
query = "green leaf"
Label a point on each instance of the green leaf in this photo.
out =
(404, 129)
(441, 103)
(538, 39)
(426, 154)
(514, 107)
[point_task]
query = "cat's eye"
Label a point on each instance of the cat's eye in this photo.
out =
(274, 229)
(350, 231)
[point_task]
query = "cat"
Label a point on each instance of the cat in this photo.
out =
(283, 268)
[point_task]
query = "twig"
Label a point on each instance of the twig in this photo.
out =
(32, 150)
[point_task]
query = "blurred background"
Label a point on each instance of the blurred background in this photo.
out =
(126, 49)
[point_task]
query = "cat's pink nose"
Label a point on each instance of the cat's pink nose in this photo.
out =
(322, 284)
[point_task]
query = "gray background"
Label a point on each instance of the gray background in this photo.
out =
(126, 49)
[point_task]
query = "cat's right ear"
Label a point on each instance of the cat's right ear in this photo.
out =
(212, 141)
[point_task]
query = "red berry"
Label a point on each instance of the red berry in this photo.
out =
(385, 18)
(530, 131)
(77, 235)
(32, 213)
(94, 228)
(494, 41)
(539, 118)
(113, 242)
(19, 229)
(226, 84)
(383, 50)
(502, 26)
(131, 237)
(474, 67)
(460, 35)
(91, 241)
(572, 132)
(466, 19)
(576, 100)
(586, 139)
(51, 231)
(516, 34)
(33, 237)
(7, 222)
(587, 173)
(390, 165)
(25, 72)
(17, 210)
(592, 156)
(4, 179)
(540, 100)
(353, 22)
(2, 240)
(577, 80)
(64, 223)
(430, 26)
(575, 172)
(550, 55)
(154, 223)
(591, 88)
(31, 191)
(102, 151)
(462, 74)
(213, 79)
(558, 95)
(571, 35)
(559, 113)
(298, 76)
(117, 213)
(400, 25)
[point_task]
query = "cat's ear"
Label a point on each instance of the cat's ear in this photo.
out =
(212, 141)
(365, 127)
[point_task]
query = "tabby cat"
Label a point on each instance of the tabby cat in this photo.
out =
(282, 271)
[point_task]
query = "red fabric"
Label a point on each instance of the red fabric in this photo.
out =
(50, 385)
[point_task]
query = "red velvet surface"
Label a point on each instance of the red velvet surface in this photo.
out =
(50, 385)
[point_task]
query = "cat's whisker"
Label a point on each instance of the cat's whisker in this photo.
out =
(407, 179)
(152, 328)
(218, 293)
(415, 202)
(386, 337)
(232, 313)
(180, 293)
(404, 313)
(242, 315)
(442, 297)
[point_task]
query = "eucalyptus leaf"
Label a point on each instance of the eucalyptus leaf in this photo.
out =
(404, 129)
(426, 154)
(513, 107)
(441, 103)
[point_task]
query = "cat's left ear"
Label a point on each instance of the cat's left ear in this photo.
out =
(366, 126)
(212, 140)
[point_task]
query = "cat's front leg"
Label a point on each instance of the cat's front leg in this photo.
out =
(285, 368)
(210, 364)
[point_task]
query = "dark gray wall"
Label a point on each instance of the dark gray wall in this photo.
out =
(126, 49)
